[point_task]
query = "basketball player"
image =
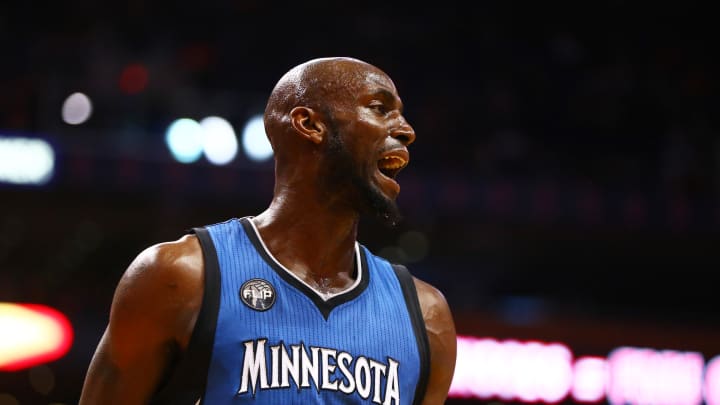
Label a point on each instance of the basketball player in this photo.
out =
(286, 307)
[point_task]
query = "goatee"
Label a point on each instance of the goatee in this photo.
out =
(367, 197)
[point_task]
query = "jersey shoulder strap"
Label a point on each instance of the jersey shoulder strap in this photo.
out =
(418, 322)
(187, 383)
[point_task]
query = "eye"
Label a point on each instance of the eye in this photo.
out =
(379, 107)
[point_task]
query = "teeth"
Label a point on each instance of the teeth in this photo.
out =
(392, 162)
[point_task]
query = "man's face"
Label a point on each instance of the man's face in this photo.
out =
(367, 146)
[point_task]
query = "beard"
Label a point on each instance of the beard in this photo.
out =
(344, 173)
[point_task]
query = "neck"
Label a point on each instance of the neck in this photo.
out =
(313, 239)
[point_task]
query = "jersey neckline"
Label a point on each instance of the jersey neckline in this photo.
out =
(325, 302)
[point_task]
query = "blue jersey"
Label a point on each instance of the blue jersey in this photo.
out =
(264, 336)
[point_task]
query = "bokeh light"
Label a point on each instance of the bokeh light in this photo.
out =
(218, 140)
(76, 109)
(26, 161)
(42, 379)
(7, 399)
(254, 140)
(133, 79)
(590, 379)
(414, 244)
(39, 334)
(712, 382)
(184, 138)
(645, 376)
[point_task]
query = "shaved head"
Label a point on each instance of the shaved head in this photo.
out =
(330, 121)
(315, 84)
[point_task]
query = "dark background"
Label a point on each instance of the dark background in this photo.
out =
(563, 186)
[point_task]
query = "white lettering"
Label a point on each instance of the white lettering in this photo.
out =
(250, 293)
(326, 355)
(392, 389)
(254, 366)
(344, 359)
(377, 369)
(310, 368)
(290, 366)
(275, 356)
(362, 377)
(318, 366)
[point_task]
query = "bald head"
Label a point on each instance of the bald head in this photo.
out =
(339, 136)
(316, 84)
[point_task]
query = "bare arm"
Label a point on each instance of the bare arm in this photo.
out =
(154, 310)
(443, 342)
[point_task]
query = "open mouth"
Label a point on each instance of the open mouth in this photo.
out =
(391, 164)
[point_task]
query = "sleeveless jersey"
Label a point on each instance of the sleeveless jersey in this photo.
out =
(263, 336)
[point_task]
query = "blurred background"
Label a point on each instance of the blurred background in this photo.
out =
(563, 188)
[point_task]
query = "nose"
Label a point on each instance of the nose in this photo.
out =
(404, 133)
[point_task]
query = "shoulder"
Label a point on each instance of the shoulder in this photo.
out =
(431, 299)
(153, 313)
(442, 339)
(170, 264)
(435, 309)
(163, 285)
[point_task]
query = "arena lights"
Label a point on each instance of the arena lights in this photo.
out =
(219, 141)
(213, 136)
(711, 386)
(184, 139)
(76, 109)
(134, 78)
(645, 376)
(546, 372)
(26, 161)
(32, 334)
(255, 142)
(512, 370)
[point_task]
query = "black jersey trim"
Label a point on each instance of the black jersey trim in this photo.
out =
(188, 382)
(418, 322)
(325, 307)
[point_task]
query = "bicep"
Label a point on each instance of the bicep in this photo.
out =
(119, 375)
(443, 342)
(152, 301)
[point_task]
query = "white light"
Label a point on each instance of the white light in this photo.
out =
(76, 109)
(646, 376)
(184, 138)
(512, 370)
(712, 382)
(218, 139)
(540, 372)
(255, 142)
(26, 161)
(590, 379)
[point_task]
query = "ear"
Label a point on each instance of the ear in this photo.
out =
(308, 124)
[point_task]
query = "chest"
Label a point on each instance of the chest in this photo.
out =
(277, 342)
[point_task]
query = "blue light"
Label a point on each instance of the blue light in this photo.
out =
(184, 138)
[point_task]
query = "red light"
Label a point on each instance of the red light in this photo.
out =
(133, 79)
(32, 334)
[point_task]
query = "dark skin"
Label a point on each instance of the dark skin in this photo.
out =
(310, 227)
